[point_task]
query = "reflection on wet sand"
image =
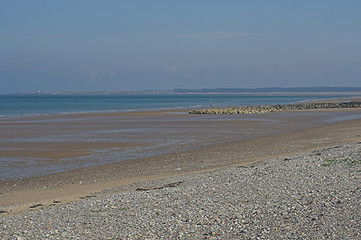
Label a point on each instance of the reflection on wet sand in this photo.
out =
(38, 145)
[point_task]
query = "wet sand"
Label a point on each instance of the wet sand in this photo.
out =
(217, 142)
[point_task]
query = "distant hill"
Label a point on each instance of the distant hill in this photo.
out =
(272, 90)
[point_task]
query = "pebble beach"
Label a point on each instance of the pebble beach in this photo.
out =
(313, 195)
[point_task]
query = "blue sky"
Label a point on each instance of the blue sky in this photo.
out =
(113, 45)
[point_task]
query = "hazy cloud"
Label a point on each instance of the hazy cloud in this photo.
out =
(65, 74)
(206, 35)
(93, 73)
(112, 74)
(86, 72)
(108, 73)
(187, 74)
(273, 69)
(171, 69)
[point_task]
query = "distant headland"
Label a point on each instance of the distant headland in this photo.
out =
(272, 90)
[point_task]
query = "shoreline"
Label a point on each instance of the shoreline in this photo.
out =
(335, 98)
(20, 196)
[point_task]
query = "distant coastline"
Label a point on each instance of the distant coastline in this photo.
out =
(271, 91)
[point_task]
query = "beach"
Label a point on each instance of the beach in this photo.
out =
(216, 186)
(303, 196)
(149, 120)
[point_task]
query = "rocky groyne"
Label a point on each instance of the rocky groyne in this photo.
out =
(277, 108)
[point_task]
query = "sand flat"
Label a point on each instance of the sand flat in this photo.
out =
(18, 195)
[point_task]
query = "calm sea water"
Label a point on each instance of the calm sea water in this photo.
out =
(13, 105)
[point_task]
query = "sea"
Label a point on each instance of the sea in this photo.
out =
(42, 104)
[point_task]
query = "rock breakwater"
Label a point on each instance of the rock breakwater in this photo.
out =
(277, 108)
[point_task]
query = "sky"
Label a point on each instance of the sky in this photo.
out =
(125, 45)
